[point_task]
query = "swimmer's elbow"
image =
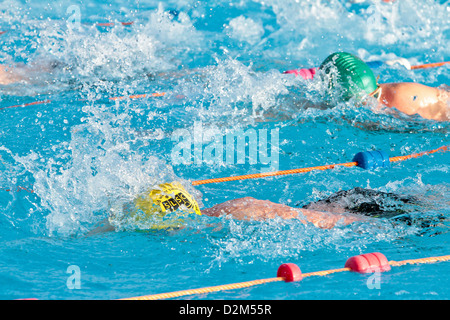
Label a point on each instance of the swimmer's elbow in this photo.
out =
(102, 227)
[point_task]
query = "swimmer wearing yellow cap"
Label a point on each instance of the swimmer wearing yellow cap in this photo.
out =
(355, 78)
(169, 206)
(164, 207)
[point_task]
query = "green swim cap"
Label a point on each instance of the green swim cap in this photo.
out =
(352, 74)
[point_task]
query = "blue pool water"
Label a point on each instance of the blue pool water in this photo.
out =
(219, 65)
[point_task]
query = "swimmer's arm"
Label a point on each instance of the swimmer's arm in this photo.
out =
(102, 227)
(26, 73)
(249, 208)
(253, 209)
(414, 98)
(8, 75)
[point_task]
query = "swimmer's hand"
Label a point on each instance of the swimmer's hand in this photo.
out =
(249, 208)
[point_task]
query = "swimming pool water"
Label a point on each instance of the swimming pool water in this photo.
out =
(217, 67)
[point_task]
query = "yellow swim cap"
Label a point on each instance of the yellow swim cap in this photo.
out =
(168, 197)
(160, 208)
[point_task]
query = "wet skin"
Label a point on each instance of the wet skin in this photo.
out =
(414, 98)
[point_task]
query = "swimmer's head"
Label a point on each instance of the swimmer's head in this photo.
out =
(162, 207)
(350, 73)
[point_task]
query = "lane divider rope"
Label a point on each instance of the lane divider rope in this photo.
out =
(430, 65)
(111, 24)
(365, 160)
(290, 272)
(139, 96)
(308, 73)
(136, 96)
(27, 104)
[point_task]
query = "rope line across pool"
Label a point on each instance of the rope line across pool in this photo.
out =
(304, 170)
(239, 285)
(294, 171)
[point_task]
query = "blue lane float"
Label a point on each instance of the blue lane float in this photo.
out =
(372, 159)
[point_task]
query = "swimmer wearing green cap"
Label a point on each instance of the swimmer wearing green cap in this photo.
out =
(356, 79)
(342, 70)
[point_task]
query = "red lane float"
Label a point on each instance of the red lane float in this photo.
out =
(290, 272)
(369, 262)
